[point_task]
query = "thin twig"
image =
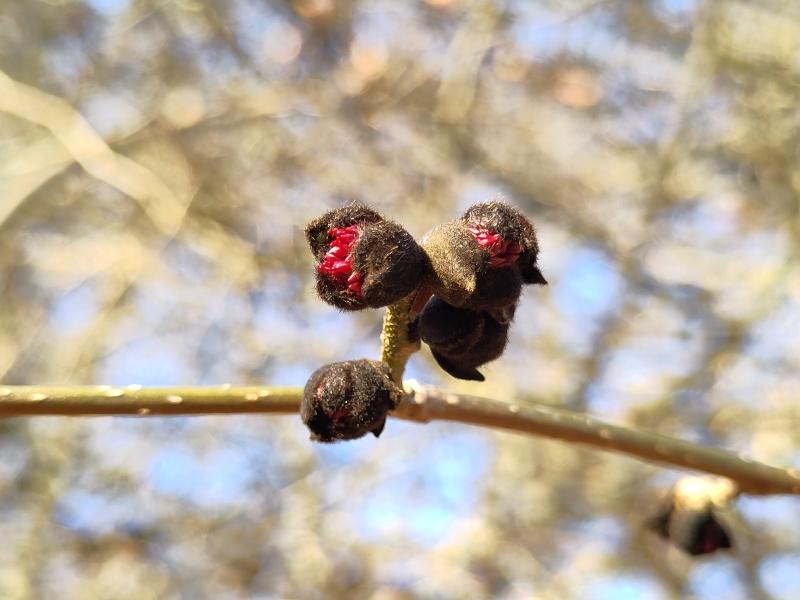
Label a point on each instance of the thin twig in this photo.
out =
(423, 404)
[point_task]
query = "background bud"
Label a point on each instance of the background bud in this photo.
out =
(362, 259)
(461, 339)
(693, 531)
(346, 400)
(690, 516)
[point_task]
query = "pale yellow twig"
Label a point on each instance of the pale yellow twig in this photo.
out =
(423, 404)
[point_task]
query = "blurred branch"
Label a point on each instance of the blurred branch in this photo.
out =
(28, 170)
(465, 55)
(90, 150)
(48, 473)
(424, 404)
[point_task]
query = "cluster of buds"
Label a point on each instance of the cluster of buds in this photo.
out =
(471, 271)
(479, 264)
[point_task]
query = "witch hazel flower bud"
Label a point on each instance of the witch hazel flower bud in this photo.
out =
(363, 260)
(690, 519)
(496, 218)
(461, 339)
(346, 400)
(460, 273)
(696, 532)
(482, 260)
(502, 253)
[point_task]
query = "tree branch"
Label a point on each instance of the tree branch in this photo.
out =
(423, 404)
(135, 400)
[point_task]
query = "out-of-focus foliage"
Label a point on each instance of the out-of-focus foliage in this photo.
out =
(656, 143)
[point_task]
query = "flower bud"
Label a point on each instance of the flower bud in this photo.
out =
(514, 230)
(362, 259)
(461, 339)
(346, 400)
(695, 532)
(690, 517)
(481, 260)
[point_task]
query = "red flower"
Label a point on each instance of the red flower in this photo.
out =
(337, 263)
(363, 260)
(502, 252)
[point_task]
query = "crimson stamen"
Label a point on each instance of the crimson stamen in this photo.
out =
(502, 253)
(337, 262)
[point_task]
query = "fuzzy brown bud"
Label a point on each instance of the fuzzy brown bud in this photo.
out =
(510, 224)
(482, 260)
(461, 339)
(363, 260)
(346, 400)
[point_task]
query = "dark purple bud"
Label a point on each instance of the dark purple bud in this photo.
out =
(363, 260)
(461, 339)
(496, 288)
(346, 400)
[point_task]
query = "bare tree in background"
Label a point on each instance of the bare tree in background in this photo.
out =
(158, 161)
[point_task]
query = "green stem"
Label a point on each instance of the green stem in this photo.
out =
(396, 347)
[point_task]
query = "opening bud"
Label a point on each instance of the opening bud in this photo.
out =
(363, 260)
(482, 260)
